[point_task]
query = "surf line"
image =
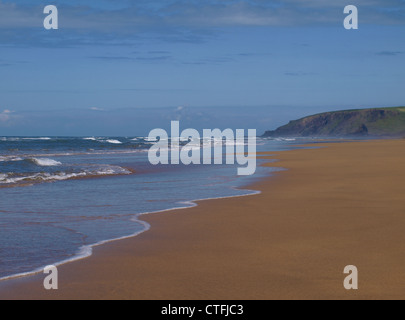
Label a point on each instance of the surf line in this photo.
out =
(190, 153)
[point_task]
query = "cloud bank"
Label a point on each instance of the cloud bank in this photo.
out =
(94, 22)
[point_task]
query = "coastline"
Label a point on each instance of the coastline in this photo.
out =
(290, 241)
(87, 250)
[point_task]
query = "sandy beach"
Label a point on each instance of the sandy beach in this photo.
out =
(342, 204)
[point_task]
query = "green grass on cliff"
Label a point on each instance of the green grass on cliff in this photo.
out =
(372, 122)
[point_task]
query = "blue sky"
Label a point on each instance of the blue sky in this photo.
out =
(108, 57)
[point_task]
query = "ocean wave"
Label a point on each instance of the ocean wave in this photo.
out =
(16, 139)
(45, 162)
(285, 139)
(10, 158)
(42, 162)
(42, 138)
(22, 157)
(113, 141)
(13, 178)
(151, 139)
(8, 139)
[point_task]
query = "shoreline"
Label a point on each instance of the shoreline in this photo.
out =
(259, 247)
(86, 251)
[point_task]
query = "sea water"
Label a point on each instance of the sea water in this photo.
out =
(60, 196)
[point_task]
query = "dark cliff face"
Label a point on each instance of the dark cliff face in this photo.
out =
(351, 123)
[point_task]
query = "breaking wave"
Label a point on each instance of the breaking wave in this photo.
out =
(44, 162)
(16, 178)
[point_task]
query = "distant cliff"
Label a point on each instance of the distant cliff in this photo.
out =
(384, 122)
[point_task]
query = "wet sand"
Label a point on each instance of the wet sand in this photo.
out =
(340, 205)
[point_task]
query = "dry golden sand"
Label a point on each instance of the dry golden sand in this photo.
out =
(335, 206)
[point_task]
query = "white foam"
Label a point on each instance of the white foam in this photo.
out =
(285, 139)
(45, 162)
(150, 139)
(44, 138)
(60, 176)
(83, 252)
(10, 158)
(8, 180)
(113, 141)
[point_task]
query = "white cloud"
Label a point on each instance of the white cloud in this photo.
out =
(18, 16)
(205, 13)
(5, 116)
(94, 22)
